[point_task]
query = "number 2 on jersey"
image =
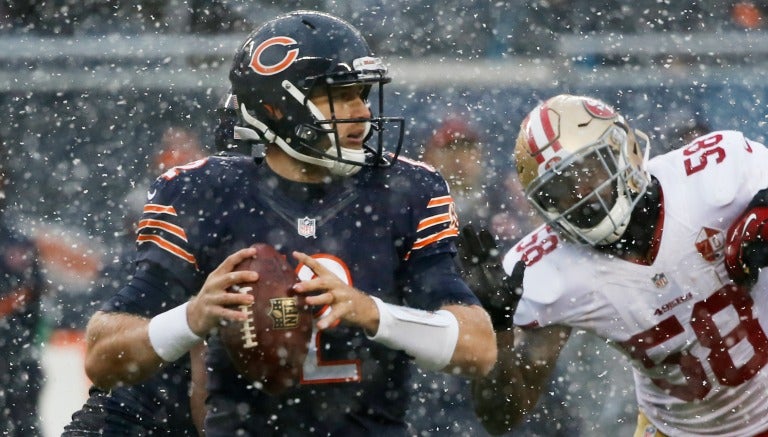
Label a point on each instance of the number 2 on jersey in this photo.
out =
(316, 370)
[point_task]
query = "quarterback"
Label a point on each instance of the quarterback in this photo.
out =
(369, 234)
(658, 257)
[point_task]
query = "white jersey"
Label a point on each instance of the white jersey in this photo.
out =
(697, 343)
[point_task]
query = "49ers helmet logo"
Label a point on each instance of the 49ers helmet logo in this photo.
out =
(599, 109)
(268, 70)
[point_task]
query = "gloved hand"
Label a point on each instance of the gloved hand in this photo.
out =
(481, 267)
(746, 244)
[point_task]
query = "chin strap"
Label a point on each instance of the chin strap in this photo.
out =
(337, 168)
(271, 137)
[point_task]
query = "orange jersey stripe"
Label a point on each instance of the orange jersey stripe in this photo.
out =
(432, 221)
(167, 246)
(422, 242)
(162, 209)
(439, 201)
(160, 224)
(421, 164)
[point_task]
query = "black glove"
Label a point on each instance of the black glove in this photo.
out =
(481, 267)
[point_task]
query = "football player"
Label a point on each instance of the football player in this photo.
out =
(639, 252)
(369, 232)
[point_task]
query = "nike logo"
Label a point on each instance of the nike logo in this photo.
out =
(752, 217)
(151, 194)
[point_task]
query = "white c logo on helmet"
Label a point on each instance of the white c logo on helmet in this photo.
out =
(268, 70)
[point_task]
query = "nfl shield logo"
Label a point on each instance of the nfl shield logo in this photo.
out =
(306, 227)
(660, 280)
(284, 312)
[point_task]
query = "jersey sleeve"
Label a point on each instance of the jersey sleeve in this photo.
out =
(434, 222)
(171, 228)
(432, 277)
(545, 286)
(434, 282)
(168, 241)
(721, 168)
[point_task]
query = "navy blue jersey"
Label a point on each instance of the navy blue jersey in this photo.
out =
(387, 232)
(21, 289)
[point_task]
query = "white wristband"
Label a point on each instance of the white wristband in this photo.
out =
(170, 335)
(429, 337)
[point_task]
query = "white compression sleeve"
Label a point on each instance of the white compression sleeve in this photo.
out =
(429, 337)
(170, 335)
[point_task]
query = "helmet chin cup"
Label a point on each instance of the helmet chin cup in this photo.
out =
(339, 168)
(357, 155)
(336, 167)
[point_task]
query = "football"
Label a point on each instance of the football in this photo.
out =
(269, 347)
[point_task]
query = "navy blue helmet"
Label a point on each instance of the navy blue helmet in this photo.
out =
(278, 67)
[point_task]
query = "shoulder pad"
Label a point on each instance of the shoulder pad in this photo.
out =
(534, 250)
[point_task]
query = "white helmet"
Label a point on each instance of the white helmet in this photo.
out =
(582, 167)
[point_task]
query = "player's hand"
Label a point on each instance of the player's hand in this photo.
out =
(213, 304)
(481, 264)
(346, 302)
(746, 246)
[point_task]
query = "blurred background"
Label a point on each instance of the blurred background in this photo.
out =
(95, 95)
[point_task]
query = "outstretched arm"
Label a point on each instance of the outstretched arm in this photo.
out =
(526, 358)
(524, 367)
(126, 348)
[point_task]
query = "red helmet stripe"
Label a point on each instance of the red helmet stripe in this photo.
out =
(533, 146)
(542, 131)
(549, 129)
